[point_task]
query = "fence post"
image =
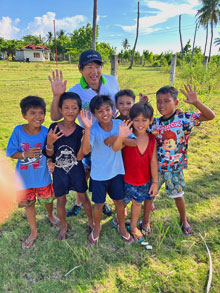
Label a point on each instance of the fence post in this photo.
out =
(205, 61)
(173, 69)
(114, 65)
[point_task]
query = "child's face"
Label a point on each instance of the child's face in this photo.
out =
(166, 105)
(103, 114)
(141, 124)
(124, 104)
(35, 117)
(69, 110)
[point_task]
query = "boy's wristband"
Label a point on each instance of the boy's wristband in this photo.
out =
(48, 149)
(155, 182)
(23, 155)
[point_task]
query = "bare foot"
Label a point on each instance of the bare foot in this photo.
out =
(62, 235)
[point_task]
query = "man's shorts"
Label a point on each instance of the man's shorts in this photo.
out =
(27, 197)
(114, 187)
(174, 182)
(137, 193)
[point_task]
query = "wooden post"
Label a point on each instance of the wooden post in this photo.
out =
(173, 69)
(141, 60)
(205, 61)
(70, 59)
(114, 65)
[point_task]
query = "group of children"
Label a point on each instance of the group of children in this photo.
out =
(131, 157)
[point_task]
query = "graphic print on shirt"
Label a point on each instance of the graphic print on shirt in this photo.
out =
(30, 161)
(67, 159)
(172, 140)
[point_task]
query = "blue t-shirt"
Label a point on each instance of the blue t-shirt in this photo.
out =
(33, 171)
(106, 164)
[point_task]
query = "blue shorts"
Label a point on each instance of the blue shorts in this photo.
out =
(63, 182)
(114, 187)
(87, 162)
(174, 182)
(137, 193)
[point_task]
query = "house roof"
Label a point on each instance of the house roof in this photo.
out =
(35, 47)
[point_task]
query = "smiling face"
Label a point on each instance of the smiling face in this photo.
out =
(104, 114)
(35, 117)
(166, 105)
(69, 110)
(124, 104)
(141, 124)
(92, 74)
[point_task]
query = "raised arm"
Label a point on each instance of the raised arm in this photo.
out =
(58, 88)
(191, 98)
(124, 132)
(85, 146)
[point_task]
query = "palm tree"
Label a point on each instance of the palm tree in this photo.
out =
(95, 10)
(49, 37)
(125, 44)
(209, 14)
(217, 42)
(135, 43)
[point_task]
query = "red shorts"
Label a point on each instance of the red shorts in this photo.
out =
(27, 197)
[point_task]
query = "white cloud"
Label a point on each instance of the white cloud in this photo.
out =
(162, 12)
(8, 29)
(41, 25)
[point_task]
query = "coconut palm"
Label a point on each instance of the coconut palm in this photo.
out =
(125, 44)
(217, 42)
(95, 10)
(209, 14)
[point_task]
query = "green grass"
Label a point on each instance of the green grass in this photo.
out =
(176, 264)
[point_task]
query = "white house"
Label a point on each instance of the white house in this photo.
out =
(32, 52)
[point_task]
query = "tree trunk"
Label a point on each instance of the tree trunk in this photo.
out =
(210, 48)
(135, 43)
(191, 60)
(181, 41)
(206, 39)
(95, 9)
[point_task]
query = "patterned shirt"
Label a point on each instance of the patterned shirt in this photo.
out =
(172, 137)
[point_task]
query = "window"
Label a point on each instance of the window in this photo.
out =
(36, 55)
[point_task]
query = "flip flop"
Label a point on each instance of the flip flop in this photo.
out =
(128, 239)
(95, 240)
(55, 223)
(138, 237)
(186, 229)
(145, 231)
(115, 223)
(27, 243)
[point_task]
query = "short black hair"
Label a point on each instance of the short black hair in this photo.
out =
(98, 101)
(97, 62)
(168, 90)
(71, 96)
(32, 102)
(143, 108)
(124, 92)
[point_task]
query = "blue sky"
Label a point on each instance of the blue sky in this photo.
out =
(116, 20)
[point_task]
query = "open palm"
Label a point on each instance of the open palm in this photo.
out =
(57, 84)
(191, 95)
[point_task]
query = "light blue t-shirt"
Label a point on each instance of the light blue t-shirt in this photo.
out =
(106, 163)
(32, 171)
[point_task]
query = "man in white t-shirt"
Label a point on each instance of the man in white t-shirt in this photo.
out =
(92, 82)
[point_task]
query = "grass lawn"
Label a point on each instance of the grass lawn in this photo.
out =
(176, 263)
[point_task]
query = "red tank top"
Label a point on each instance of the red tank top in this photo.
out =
(137, 165)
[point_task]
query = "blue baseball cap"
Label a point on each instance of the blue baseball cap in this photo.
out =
(90, 56)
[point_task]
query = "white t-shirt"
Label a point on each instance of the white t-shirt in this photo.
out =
(109, 86)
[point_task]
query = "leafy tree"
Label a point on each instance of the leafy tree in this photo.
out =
(30, 39)
(148, 56)
(217, 42)
(81, 39)
(105, 50)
